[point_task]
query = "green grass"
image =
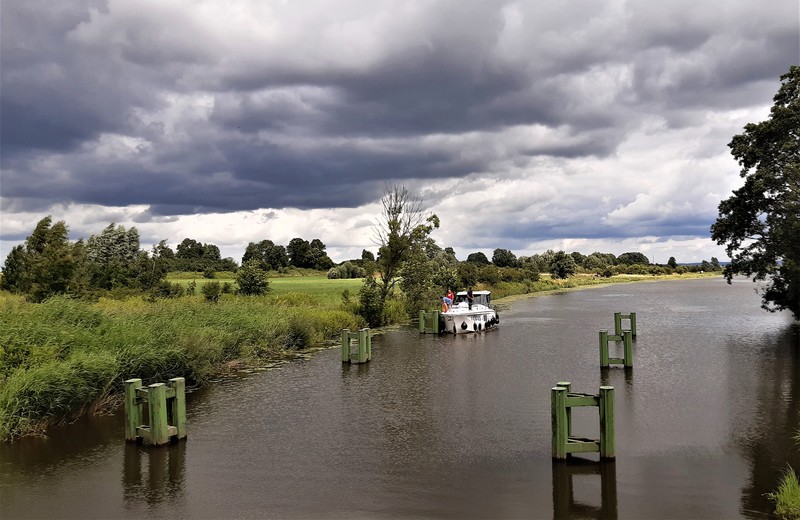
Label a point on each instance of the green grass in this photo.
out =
(787, 496)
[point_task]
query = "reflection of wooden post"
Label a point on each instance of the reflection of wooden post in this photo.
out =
(421, 321)
(133, 409)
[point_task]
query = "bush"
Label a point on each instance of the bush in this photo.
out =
(211, 291)
(252, 279)
(370, 303)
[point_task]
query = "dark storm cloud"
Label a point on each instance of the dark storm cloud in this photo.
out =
(110, 105)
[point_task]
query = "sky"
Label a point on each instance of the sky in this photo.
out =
(586, 125)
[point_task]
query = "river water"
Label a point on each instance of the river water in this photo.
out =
(459, 427)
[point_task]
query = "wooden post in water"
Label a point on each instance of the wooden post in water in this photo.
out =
(604, 349)
(133, 409)
(422, 321)
(618, 317)
(157, 403)
(558, 409)
(177, 416)
(345, 345)
(627, 341)
(607, 445)
(567, 385)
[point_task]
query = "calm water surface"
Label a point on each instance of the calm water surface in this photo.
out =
(459, 427)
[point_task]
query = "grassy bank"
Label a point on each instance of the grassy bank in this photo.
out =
(64, 358)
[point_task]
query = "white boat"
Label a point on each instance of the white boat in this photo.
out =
(459, 318)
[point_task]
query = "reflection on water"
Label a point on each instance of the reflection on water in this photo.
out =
(599, 472)
(165, 472)
(459, 427)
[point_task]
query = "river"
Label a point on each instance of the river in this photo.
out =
(459, 426)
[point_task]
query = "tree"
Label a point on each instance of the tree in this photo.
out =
(115, 260)
(300, 253)
(504, 258)
(478, 258)
(672, 262)
(633, 258)
(269, 255)
(252, 278)
(45, 265)
(760, 223)
(562, 266)
(402, 226)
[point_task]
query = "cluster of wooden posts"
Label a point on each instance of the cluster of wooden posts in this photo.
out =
(166, 407)
(361, 351)
(562, 400)
(429, 322)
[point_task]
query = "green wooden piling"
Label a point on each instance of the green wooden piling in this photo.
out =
(133, 409)
(633, 324)
(607, 444)
(178, 410)
(567, 385)
(157, 403)
(627, 341)
(558, 409)
(618, 317)
(345, 345)
(363, 335)
(604, 362)
(422, 321)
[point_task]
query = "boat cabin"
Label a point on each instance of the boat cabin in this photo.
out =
(478, 297)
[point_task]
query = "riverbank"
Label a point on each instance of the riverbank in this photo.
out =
(65, 358)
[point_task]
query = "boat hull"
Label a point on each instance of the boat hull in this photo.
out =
(460, 321)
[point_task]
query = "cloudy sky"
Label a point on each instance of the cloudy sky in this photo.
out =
(583, 125)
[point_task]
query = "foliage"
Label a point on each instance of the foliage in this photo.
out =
(760, 222)
(269, 255)
(504, 258)
(402, 230)
(346, 270)
(312, 255)
(478, 258)
(632, 258)
(787, 496)
(672, 262)
(252, 279)
(371, 302)
(47, 264)
(562, 266)
(211, 291)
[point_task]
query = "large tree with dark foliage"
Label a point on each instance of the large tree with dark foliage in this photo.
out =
(760, 223)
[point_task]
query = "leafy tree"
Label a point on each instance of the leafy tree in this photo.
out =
(760, 222)
(252, 278)
(115, 260)
(715, 264)
(633, 258)
(579, 258)
(599, 260)
(562, 266)
(402, 228)
(300, 253)
(504, 258)
(269, 255)
(191, 255)
(321, 259)
(672, 262)
(45, 265)
(367, 256)
(478, 258)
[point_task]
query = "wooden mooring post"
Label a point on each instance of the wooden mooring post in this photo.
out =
(363, 348)
(564, 443)
(166, 406)
(627, 345)
(429, 322)
(618, 317)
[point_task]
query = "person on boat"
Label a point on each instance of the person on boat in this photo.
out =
(470, 298)
(446, 304)
(451, 295)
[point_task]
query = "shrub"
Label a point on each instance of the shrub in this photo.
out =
(370, 303)
(211, 291)
(252, 279)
